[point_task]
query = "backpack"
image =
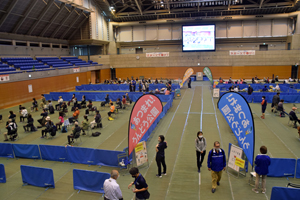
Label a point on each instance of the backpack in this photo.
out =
(51, 109)
(102, 104)
(96, 134)
(87, 111)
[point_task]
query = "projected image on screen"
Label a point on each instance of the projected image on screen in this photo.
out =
(198, 38)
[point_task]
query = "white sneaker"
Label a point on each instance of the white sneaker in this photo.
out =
(254, 190)
(263, 191)
(164, 174)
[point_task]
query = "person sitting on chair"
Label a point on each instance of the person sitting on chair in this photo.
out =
(119, 104)
(112, 109)
(97, 118)
(90, 105)
(49, 126)
(265, 89)
(24, 114)
(83, 102)
(293, 116)
(281, 109)
(75, 116)
(75, 102)
(43, 102)
(60, 101)
(128, 100)
(75, 133)
(34, 105)
(85, 124)
(64, 107)
(61, 120)
(277, 88)
(107, 99)
(12, 116)
(42, 121)
(11, 130)
(29, 124)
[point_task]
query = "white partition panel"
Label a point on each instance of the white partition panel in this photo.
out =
(138, 33)
(234, 29)
(221, 30)
(125, 34)
(176, 31)
(250, 28)
(264, 28)
(280, 27)
(151, 32)
(164, 32)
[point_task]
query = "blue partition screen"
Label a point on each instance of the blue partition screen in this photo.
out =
(89, 180)
(81, 155)
(2, 174)
(6, 150)
(37, 176)
(27, 151)
(284, 193)
(298, 169)
(107, 157)
(54, 153)
(282, 167)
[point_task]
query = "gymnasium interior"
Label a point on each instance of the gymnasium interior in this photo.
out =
(93, 48)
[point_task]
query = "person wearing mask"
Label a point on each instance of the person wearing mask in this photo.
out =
(42, 121)
(216, 162)
(141, 187)
(49, 126)
(61, 120)
(97, 118)
(34, 105)
(24, 114)
(64, 107)
(264, 104)
(73, 97)
(83, 102)
(190, 82)
(11, 130)
(75, 116)
(43, 102)
(262, 162)
(75, 134)
(111, 188)
(294, 116)
(29, 124)
(160, 155)
(60, 101)
(275, 101)
(250, 89)
(85, 124)
(119, 104)
(200, 144)
(112, 109)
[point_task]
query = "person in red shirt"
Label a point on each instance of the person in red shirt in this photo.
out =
(263, 106)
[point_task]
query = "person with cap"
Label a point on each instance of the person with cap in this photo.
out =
(75, 133)
(11, 130)
(111, 188)
(293, 115)
(216, 162)
(49, 126)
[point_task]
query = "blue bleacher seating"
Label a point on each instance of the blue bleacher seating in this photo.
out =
(36, 67)
(47, 58)
(4, 65)
(7, 69)
(62, 65)
(27, 64)
(5, 59)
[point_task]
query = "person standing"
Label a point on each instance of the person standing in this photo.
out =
(262, 162)
(275, 101)
(200, 144)
(263, 106)
(160, 155)
(190, 82)
(216, 162)
(141, 187)
(250, 89)
(111, 188)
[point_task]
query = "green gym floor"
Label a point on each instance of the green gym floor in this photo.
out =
(195, 110)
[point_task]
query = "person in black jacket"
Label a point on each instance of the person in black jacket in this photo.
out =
(190, 82)
(275, 101)
(250, 90)
(49, 126)
(75, 133)
(29, 124)
(160, 155)
(294, 116)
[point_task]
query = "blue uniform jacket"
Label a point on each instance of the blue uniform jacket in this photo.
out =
(216, 161)
(262, 162)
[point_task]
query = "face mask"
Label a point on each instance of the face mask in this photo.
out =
(201, 136)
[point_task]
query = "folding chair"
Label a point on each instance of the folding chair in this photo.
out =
(77, 136)
(293, 121)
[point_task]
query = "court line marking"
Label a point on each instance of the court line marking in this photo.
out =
(165, 135)
(186, 122)
(221, 142)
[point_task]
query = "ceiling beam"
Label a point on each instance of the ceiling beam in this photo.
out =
(168, 6)
(40, 17)
(261, 3)
(52, 20)
(79, 26)
(139, 6)
(72, 24)
(124, 8)
(25, 16)
(10, 8)
(62, 23)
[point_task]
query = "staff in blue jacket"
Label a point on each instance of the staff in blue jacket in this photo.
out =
(262, 162)
(216, 162)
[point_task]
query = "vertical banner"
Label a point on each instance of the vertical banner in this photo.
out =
(144, 112)
(186, 76)
(237, 112)
(208, 73)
